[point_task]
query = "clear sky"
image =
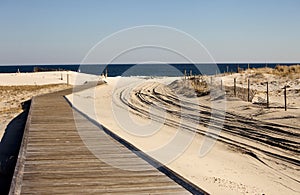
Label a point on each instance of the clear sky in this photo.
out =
(63, 31)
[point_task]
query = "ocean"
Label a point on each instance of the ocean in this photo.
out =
(141, 70)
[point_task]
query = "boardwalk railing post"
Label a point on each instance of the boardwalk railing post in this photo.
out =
(285, 102)
(248, 90)
(234, 87)
(267, 94)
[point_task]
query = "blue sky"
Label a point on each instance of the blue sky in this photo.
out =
(63, 31)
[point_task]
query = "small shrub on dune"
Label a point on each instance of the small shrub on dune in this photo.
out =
(294, 69)
(287, 70)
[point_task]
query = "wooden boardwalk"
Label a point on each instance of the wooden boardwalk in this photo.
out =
(53, 159)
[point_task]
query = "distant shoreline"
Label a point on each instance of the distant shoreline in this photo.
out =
(172, 69)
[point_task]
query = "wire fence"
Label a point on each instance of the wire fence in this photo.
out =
(246, 89)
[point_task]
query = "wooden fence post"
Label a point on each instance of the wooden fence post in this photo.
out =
(285, 102)
(267, 94)
(68, 79)
(234, 87)
(221, 84)
(248, 90)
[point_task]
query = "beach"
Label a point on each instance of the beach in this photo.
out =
(217, 141)
(16, 88)
(257, 148)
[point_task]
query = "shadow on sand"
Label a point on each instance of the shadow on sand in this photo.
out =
(9, 148)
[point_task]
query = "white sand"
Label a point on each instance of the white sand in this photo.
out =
(44, 78)
(247, 166)
(276, 96)
(12, 96)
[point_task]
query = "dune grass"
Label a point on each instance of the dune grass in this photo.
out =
(29, 87)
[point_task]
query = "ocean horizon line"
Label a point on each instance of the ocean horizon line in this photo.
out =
(137, 63)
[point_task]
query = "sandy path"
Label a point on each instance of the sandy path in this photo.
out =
(251, 156)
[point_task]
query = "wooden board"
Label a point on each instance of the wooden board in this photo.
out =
(54, 159)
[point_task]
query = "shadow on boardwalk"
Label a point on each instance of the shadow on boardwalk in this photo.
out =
(9, 148)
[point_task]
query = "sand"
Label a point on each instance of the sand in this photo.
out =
(45, 78)
(255, 153)
(275, 112)
(16, 88)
